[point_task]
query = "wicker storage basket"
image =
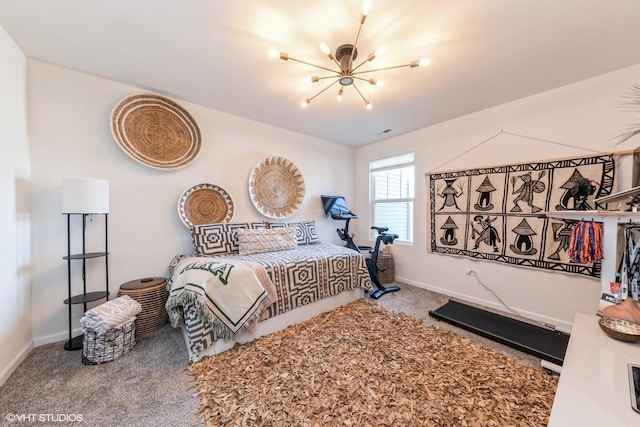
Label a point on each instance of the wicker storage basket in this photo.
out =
(152, 295)
(115, 343)
(385, 262)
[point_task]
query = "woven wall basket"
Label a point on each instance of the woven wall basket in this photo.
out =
(155, 131)
(205, 204)
(276, 187)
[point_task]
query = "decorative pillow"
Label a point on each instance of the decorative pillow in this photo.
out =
(266, 240)
(219, 238)
(306, 233)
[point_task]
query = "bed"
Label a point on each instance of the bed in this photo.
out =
(246, 280)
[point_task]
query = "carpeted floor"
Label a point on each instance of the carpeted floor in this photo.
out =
(362, 364)
(417, 302)
(150, 385)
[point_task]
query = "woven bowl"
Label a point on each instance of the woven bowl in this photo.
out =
(620, 329)
(155, 131)
(276, 187)
(205, 204)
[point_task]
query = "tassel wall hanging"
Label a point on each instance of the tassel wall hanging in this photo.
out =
(585, 245)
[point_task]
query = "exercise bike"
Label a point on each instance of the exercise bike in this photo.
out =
(336, 206)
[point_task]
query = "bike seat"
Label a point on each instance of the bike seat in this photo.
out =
(387, 238)
(380, 230)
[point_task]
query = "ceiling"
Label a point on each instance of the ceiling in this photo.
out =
(214, 53)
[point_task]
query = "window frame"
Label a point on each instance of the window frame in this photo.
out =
(385, 164)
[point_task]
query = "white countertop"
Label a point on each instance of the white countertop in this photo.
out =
(594, 385)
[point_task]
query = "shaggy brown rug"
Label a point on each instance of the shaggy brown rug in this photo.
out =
(362, 365)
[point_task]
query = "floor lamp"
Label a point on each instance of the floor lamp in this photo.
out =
(84, 197)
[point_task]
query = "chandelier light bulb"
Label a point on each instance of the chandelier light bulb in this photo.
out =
(378, 52)
(325, 49)
(366, 5)
(368, 105)
(340, 92)
(306, 102)
(274, 53)
(420, 63)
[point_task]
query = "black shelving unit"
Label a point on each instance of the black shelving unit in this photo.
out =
(85, 297)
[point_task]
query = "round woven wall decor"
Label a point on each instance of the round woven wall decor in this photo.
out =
(276, 187)
(155, 131)
(205, 204)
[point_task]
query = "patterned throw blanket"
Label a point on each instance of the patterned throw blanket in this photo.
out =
(110, 315)
(229, 294)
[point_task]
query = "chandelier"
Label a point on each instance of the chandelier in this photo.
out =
(347, 73)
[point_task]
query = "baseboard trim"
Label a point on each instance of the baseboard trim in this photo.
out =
(60, 336)
(560, 325)
(15, 362)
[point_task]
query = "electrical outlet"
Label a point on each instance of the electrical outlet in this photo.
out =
(470, 272)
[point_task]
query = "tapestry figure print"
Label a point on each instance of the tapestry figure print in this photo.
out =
(498, 213)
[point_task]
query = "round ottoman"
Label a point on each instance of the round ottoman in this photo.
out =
(152, 294)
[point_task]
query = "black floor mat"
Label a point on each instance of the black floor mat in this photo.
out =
(540, 342)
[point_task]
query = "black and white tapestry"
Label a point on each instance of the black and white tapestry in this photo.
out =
(497, 213)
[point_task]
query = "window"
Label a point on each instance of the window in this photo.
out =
(392, 192)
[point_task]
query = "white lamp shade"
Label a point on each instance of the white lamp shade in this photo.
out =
(85, 195)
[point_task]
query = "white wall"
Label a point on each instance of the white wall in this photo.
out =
(69, 114)
(586, 114)
(15, 245)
